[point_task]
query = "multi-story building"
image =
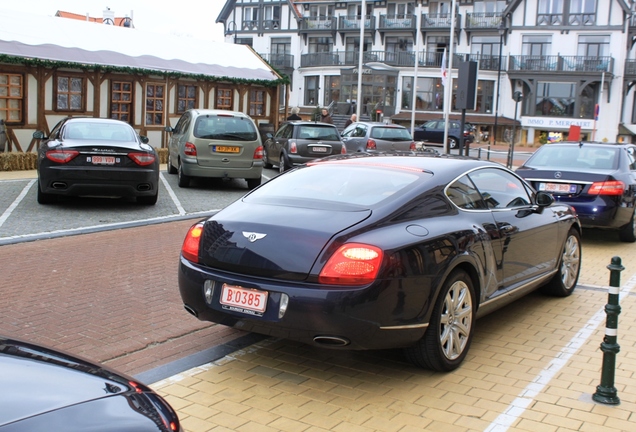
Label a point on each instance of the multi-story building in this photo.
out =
(569, 62)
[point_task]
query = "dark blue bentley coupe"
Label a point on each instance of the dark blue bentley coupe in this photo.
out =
(380, 251)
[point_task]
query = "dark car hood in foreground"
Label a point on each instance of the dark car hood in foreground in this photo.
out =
(43, 389)
(282, 242)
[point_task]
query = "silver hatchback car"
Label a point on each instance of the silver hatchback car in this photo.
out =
(215, 144)
(374, 136)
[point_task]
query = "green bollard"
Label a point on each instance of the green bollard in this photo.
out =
(606, 392)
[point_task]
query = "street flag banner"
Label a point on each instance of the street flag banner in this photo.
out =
(444, 71)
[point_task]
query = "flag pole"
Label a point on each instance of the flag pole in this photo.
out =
(418, 45)
(363, 20)
(448, 90)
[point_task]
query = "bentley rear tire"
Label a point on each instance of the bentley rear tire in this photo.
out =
(450, 330)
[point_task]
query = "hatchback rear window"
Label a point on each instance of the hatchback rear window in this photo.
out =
(229, 128)
(324, 133)
(574, 157)
(391, 134)
(342, 183)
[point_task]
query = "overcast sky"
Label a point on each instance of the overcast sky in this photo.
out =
(194, 18)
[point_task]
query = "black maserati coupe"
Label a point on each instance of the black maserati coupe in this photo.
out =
(377, 251)
(96, 157)
(49, 390)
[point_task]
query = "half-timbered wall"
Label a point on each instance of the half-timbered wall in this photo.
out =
(147, 102)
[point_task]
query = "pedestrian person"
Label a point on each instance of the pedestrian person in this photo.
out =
(352, 119)
(325, 117)
(294, 114)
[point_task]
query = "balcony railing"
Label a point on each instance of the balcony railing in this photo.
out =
(483, 20)
(320, 59)
(440, 20)
(352, 22)
(549, 19)
(488, 62)
(318, 24)
(271, 24)
(249, 25)
(582, 19)
(393, 58)
(397, 22)
(561, 63)
(280, 61)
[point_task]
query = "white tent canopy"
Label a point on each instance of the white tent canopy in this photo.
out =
(66, 40)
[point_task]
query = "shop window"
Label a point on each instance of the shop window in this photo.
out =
(257, 103)
(121, 100)
(311, 90)
(224, 99)
(11, 97)
(186, 97)
(70, 93)
(155, 98)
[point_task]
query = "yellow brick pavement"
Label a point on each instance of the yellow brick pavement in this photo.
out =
(540, 355)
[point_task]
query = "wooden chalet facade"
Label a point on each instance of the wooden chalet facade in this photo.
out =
(98, 70)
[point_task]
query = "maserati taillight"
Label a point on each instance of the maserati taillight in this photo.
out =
(614, 187)
(142, 159)
(190, 248)
(352, 264)
(61, 156)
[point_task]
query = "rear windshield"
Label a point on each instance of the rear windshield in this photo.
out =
(342, 183)
(99, 131)
(323, 133)
(574, 157)
(227, 128)
(391, 134)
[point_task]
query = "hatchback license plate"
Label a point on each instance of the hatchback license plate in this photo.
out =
(320, 149)
(557, 187)
(245, 300)
(226, 149)
(103, 160)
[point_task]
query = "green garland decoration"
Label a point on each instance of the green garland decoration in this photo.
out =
(9, 59)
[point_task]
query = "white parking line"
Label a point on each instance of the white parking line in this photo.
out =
(527, 395)
(175, 200)
(15, 203)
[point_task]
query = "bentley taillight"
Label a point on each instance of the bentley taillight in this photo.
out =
(352, 264)
(614, 187)
(61, 156)
(190, 248)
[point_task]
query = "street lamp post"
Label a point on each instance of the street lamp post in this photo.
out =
(502, 31)
(517, 96)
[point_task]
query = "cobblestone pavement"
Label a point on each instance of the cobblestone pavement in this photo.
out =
(533, 366)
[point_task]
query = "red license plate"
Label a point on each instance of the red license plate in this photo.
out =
(103, 160)
(245, 300)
